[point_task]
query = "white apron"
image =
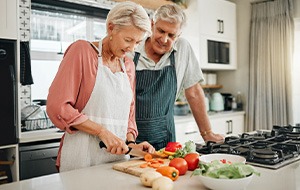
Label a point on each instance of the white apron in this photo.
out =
(109, 105)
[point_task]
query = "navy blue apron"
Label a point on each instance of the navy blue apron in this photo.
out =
(155, 97)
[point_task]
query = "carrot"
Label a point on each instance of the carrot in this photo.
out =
(144, 165)
(148, 157)
(155, 165)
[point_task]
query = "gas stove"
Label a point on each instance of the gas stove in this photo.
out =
(269, 149)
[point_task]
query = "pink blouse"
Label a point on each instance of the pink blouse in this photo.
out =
(74, 83)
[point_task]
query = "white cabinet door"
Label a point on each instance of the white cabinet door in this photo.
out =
(218, 24)
(228, 125)
(8, 19)
(217, 18)
(187, 130)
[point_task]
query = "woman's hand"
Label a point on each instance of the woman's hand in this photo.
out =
(114, 144)
(144, 146)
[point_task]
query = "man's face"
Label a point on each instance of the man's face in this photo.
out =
(164, 34)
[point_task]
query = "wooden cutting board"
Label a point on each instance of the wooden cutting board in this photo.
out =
(133, 166)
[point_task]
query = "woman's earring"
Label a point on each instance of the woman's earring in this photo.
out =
(110, 38)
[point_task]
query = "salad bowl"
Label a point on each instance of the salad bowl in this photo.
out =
(224, 172)
(229, 158)
(225, 184)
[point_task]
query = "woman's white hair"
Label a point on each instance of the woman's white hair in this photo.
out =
(128, 14)
(171, 13)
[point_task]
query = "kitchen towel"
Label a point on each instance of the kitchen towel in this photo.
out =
(25, 64)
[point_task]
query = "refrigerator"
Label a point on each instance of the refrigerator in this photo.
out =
(8, 96)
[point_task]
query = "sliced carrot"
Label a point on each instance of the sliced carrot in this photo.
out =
(160, 160)
(155, 165)
(144, 165)
(148, 157)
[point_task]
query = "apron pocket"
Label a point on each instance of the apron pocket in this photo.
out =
(153, 130)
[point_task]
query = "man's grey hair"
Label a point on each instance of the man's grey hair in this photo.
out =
(171, 13)
(128, 14)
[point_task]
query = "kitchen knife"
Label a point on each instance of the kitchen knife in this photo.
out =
(133, 151)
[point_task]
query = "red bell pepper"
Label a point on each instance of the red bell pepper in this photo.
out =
(173, 146)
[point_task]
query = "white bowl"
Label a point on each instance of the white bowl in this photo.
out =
(208, 158)
(225, 184)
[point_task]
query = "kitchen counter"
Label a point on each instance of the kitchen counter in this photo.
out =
(96, 177)
(40, 135)
(50, 134)
(104, 177)
(210, 115)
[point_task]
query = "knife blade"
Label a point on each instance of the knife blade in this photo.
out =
(133, 151)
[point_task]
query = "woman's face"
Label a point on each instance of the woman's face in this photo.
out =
(124, 39)
(164, 35)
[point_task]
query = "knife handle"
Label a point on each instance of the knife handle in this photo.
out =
(102, 145)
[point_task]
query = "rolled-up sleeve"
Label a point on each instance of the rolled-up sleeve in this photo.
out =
(72, 86)
(130, 69)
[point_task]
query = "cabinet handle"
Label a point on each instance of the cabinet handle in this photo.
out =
(229, 127)
(222, 26)
(219, 24)
(191, 132)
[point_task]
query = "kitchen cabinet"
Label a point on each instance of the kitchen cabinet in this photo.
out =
(226, 123)
(217, 19)
(217, 26)
(8, 19)
(11, 155)
(186, 129)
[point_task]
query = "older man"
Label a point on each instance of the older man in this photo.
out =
(165, 64)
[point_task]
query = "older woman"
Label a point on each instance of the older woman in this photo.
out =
(92, 95)
(165, 64)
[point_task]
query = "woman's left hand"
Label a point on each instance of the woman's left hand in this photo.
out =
(144, 146)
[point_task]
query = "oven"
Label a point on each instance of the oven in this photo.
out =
(274, 153)
(38, 158)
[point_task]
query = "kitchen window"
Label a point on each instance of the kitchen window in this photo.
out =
(52, 31)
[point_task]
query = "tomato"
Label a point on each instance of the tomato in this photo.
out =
(192, 160)
(173, 146)
(180, 164)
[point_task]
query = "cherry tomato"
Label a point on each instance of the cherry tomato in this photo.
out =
(180, 164)
(192, 160)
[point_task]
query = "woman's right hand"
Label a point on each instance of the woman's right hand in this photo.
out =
(114, 144)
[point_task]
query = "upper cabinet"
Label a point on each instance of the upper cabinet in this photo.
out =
(217, 35)
(8, 19)
(218, 19)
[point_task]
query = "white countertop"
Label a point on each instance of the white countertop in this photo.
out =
(211, 115)
(40, 135)
(104, 177)
(49, 134)
(97, 177)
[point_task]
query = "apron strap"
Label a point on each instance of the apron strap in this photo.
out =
(136, 58)
(172, 59)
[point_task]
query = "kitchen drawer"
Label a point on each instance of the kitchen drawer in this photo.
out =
(38, 154)
(186, 131)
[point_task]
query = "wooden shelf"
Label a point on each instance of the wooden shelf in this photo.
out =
(150, 4)
(212, 86)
